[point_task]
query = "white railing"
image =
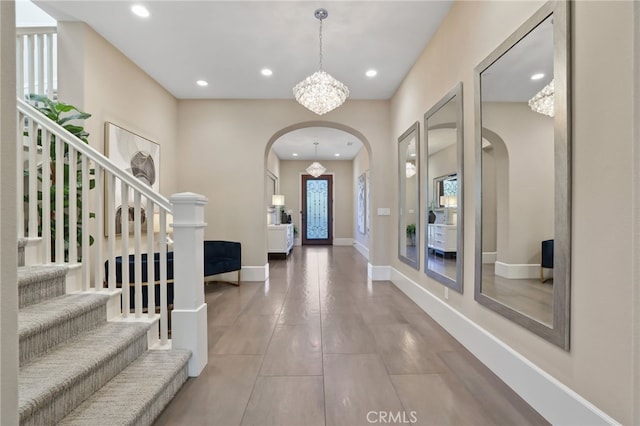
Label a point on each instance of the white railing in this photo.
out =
(77, 225)
(36, 61)
(57, 160)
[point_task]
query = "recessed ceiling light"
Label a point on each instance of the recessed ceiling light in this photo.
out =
(295, 154)
(202, 83)
(537, 76)
(140, 10)
(371, 73)
(336, 155)
(266, 72)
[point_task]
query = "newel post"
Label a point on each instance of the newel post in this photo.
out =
(189, 315)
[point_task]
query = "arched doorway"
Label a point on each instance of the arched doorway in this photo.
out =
(288, 153)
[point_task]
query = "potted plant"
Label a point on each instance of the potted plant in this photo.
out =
(67, 116)
(411, 234)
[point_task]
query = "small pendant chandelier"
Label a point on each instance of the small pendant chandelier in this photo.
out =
(320, 92)
(543, 101)
(316, 169)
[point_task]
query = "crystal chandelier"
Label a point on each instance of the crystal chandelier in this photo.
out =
(316, 169)
(542, 102)
(411, 169)
(320, 92)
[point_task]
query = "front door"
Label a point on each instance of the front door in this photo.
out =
(317, 210)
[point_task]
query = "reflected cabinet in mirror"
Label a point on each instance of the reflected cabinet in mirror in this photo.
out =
(443, 189)
(409, 196)
(523, 176)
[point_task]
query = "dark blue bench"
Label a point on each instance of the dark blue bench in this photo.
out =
(219, 257)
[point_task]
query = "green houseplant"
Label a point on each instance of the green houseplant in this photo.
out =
(67, 116)
(411, 234)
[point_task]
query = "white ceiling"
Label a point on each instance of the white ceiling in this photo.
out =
(227, 43)
(330, 142)
(509, 78)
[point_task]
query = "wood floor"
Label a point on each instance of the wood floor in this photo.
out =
(319, 345)
(528, 296)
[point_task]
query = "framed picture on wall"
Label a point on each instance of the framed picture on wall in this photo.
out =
(141, 158)
(362, 226)
(367, 201)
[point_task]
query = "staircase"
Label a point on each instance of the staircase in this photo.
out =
(90, 353)
(77, 368)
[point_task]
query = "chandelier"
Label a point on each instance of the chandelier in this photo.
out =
(316, 169)
(320, 92)
(542, 102)
(411, 169)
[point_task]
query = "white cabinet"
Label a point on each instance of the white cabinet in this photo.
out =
(442, 238)
(280, 238)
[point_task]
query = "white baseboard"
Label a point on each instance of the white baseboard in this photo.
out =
(255, 273)
(489, 256)
(552, 399)
(343, 241)
(517, 271)
(378, 273)
(362, 249)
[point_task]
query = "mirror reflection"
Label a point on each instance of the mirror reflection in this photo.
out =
(523, 166)
(408, 177)
(443, 142)
(518, 176)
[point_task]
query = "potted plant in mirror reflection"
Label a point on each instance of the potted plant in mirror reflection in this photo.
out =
(411, 234)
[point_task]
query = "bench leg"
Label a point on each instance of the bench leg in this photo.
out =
(238, 277)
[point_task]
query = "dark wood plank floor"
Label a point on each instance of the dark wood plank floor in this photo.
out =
(319, 345)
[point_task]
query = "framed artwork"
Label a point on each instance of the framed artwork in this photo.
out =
(362, 228)
(141, 158)
(367, 201)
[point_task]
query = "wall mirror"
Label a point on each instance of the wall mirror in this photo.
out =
(443, 188)
(523, 176)
(409, 196)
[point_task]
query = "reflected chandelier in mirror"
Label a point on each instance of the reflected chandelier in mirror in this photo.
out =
(523, 210)
(443, 186)
(409, 196)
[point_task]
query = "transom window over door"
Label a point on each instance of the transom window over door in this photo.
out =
(317, 210)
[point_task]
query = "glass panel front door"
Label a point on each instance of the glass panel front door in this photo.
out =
(317, 210)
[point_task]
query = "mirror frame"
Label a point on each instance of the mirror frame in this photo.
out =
(558, 333)
(415, 127)
(456, 284)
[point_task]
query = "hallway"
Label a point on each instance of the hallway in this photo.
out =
(317, 344)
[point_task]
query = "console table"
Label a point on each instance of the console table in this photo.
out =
(442, 238)
(280, 238)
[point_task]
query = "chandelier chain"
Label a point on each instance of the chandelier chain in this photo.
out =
(320, 44)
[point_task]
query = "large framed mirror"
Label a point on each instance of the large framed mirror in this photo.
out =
(443, 158)
(409, 196)
(523, 153)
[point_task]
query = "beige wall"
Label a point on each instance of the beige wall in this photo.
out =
(526, 216)
(599, 362)
(243, 130)
(8, 219)
(441, 163)
(98, 78)
(342, 171)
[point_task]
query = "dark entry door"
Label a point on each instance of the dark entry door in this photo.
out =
(317, 210)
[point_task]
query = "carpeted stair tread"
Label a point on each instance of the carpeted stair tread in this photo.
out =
(39, 283)
(47, 324)
(52, 385)
(138, 394)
